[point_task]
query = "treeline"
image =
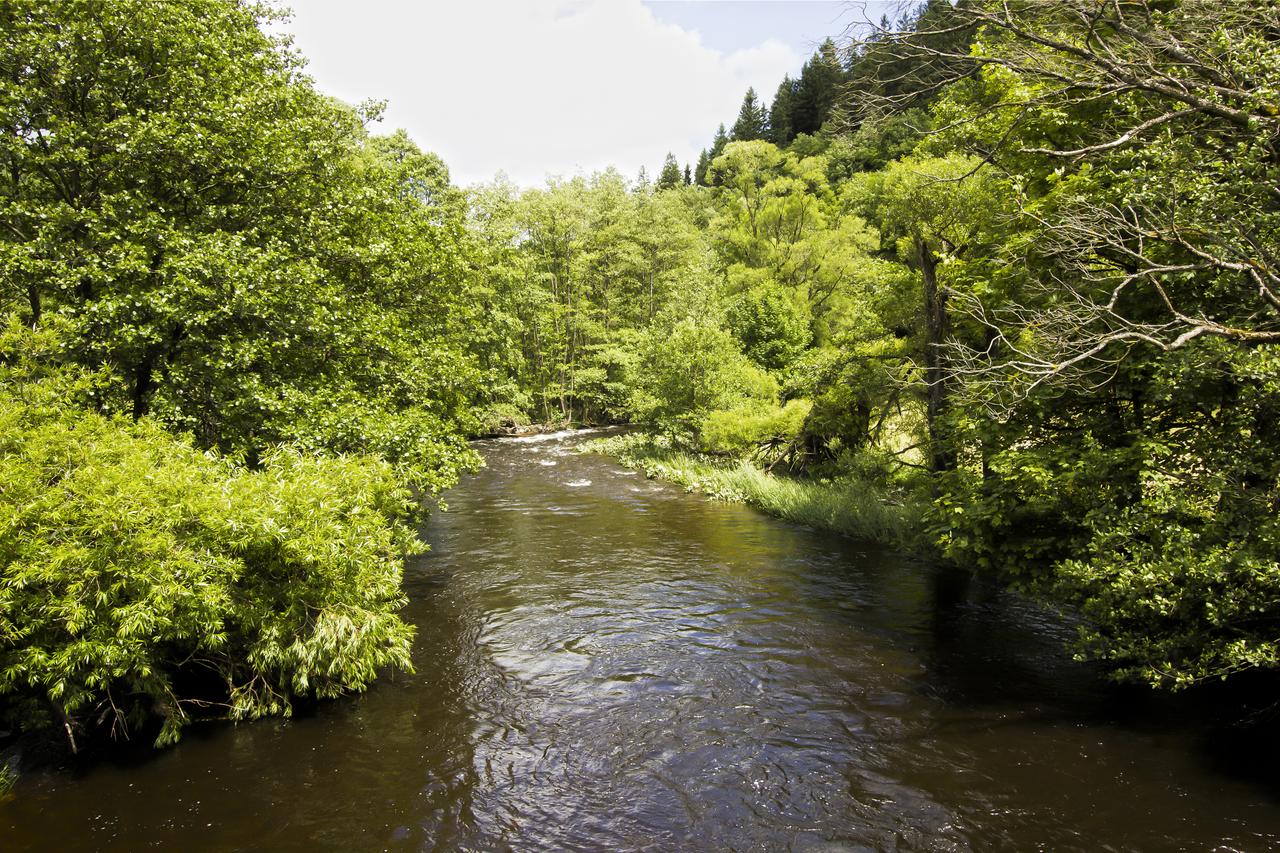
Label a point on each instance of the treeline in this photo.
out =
(1017, 271)
(230, 370)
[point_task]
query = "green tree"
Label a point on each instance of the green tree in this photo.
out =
(670, 177)
(691, 368)
(817, 90)
(700, 171)
(753, 119)
(781, 126)
(1129, 361)
(938, 213)
(779, 222)
(250, 264)
(143, 578)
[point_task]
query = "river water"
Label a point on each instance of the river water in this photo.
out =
(606, 663)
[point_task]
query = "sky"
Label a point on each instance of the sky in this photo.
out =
(560, 87)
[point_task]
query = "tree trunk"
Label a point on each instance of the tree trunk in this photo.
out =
(942, 454)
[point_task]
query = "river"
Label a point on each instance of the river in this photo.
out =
(606, 663)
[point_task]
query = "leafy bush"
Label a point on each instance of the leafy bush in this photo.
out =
(141, 578)
(748, 427)
(692, 369)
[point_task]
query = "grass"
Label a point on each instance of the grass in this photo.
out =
(8, 778)
(850, 506)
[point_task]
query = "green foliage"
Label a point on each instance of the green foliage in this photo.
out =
(700, 170)
(817, 90)
(749, 427)
(1162, 536)
(780, 130)
(693, 368)
(878, 141)
(770, 327)
(781, 228)
(1126, 350)
(233, 365)
(753, 119)
(566, 280)
(862, 509)
(670, 177)
(135, 568)
(252, 266)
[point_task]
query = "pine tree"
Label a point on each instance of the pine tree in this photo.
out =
(688, 175)
(718, 144)
(700, 172)
(669, 178)
(817, 90)
(911, 71)
(753, 120)
(780, 124)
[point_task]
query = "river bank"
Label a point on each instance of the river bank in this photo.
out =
(851, 507)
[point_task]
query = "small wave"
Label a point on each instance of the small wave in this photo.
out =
(552, 436)
(577, 484)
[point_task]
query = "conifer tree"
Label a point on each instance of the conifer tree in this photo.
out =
(688, 175)
(719, 142)
(817, 89)
(669, 177)
(717, 146)
(753, 119)
(700, 171)
(780, 124)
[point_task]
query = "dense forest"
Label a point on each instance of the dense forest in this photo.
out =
(1006, 272)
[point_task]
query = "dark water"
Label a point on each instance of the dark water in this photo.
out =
(604, 662)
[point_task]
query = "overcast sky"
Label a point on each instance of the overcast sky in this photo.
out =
(563, 86)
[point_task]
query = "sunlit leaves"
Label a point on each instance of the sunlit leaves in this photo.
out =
(141, 578)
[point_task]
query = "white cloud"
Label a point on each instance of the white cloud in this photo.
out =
(534, 88)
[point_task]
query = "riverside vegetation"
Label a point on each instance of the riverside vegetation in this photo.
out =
(999, 282)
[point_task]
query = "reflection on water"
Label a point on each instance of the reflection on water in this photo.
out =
(604, 662)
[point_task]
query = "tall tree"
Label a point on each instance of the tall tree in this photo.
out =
(670, 177)
(194, 238)
(1132, 364)
(180, 221)
(780, 119)
(817, 90)
(929, 211)
(700, 171)
(718, 143)
(753, 119)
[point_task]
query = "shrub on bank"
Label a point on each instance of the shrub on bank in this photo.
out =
(143, 580)
(752, 425)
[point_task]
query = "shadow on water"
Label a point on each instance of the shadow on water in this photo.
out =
(605, 662)
(992, 648)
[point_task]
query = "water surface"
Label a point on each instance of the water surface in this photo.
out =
(606, 663)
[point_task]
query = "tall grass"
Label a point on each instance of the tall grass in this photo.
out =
(851, 506)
